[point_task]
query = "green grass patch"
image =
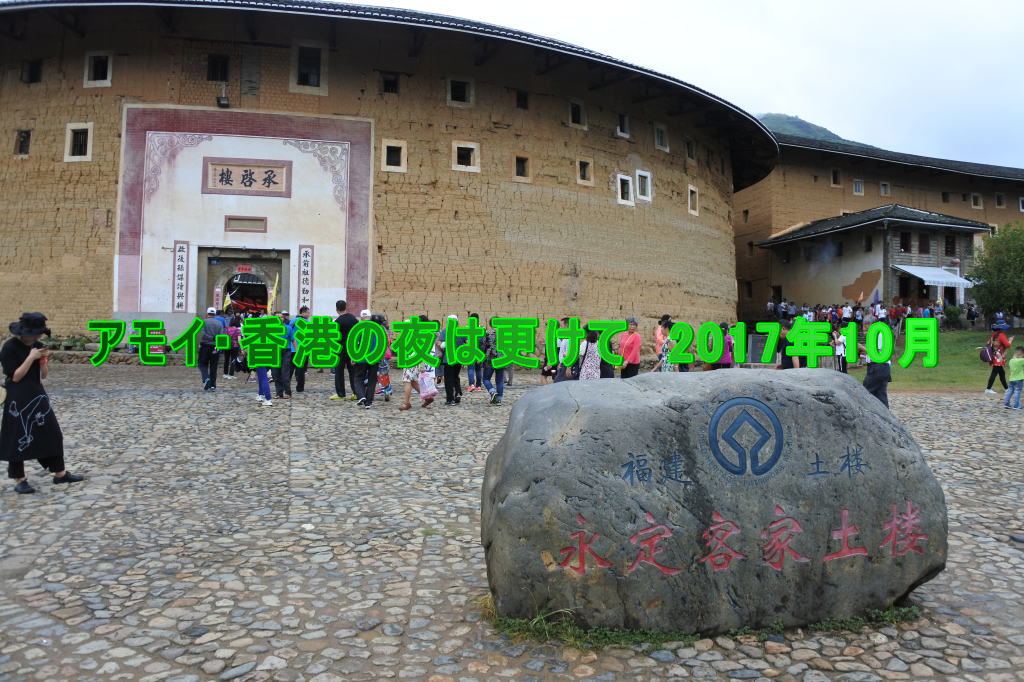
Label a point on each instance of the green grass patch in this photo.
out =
(873, 618)
(559, 625)
(959, 368)
(776, 628)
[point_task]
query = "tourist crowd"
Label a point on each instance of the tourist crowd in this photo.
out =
(863, 315)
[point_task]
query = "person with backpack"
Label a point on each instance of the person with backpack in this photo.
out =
(234, 330)
(995, 352)
(497, 389)
(589, 357)
(209, 356)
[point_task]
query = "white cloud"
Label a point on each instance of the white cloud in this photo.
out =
(938, 78)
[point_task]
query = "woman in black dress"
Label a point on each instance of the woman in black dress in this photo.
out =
(29, 427)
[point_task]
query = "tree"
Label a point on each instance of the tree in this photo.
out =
(999, 272)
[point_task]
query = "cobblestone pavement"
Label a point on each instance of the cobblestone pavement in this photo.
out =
(217, 540)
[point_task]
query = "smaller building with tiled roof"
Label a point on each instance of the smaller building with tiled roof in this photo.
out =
(825, 192)
(886, 253)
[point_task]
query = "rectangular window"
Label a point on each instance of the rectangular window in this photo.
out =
(98, 68)
(1000, 200)
(308, 68)
(748, 288)
(217, 67)
(906, 244)
(976, 201)
(693, 200)
(78, 142)
(585, 172)
(393, 158)
(1021, 204)
(522, 99)
(950, 245)
(466, 156)
(836, 177)
(884, 188)
(461, 92)
(32, 71)
(869, 243)
(577, 114)
(945, 197)
(624, 190)
(389, 83)
(691, 150)
(522, 170)
(622, 129)
(22, 142)
(858, 187)
(661, 137)
(746, 214)
(644, 186)
(963, 196)
(750, 249)
(924, 243)
(237, 223)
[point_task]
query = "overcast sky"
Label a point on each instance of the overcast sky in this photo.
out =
(941, 78)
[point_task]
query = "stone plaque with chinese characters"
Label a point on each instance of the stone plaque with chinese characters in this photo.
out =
(251, 177)
(708, 501)
(305, 276)
(179, 277)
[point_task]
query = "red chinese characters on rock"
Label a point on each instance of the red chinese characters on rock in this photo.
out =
(903, 531)
(902, 535)
(779, 534)
(581, 550)
(843, 535)
(720, 555)
(650, 547)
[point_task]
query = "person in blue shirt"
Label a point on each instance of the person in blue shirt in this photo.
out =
(299, 371)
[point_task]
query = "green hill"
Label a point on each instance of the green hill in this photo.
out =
(794, 125)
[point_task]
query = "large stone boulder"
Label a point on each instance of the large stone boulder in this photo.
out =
(708, 501)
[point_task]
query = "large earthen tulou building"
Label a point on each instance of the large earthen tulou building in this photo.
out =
(165, 156)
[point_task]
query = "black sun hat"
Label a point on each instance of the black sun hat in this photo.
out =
(30, 324)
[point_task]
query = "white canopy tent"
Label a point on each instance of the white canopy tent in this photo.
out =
(936, 277)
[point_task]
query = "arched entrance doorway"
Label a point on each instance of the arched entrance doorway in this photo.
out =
(248, 293)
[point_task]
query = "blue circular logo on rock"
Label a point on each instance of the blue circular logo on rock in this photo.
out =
(745, 435)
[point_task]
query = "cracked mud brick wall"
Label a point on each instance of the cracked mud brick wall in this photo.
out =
(442, 241)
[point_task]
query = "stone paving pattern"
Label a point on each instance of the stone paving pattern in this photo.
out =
(218, 540)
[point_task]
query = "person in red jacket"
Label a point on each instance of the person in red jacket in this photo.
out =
(1000, 345)
(629, 349)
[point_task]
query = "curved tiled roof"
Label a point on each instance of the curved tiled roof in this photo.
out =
(980, 170)
(895, 213)
(754, 149)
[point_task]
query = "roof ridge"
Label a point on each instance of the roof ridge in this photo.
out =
(949, 165)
